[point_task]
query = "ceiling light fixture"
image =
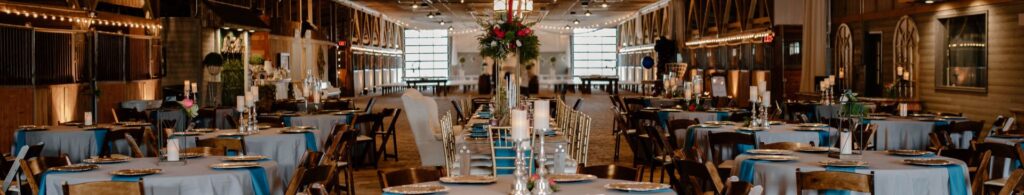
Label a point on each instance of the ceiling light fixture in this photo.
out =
(415, 6)
(451, 28)
(567, 27)
(430, 15)
(442, 22)
(604, 5)
(929, 1)
(587, 13)
(576, 21)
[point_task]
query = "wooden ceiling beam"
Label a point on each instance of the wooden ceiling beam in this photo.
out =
(916, 9)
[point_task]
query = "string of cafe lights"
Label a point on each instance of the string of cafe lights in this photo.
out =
(80, 19)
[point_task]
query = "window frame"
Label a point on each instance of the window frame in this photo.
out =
(941, 39)
(613, 53)
(409, 63)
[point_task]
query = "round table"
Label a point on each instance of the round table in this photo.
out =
(775, 133)
(287, 149)
(75, 141)
(324, 122)
(504, 185)
(892, 176)
(910, 133)
(195, 177)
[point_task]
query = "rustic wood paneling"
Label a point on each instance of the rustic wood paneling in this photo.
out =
(14, 114)
(1006, 86)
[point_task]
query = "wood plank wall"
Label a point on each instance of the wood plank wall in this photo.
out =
(1005, 40)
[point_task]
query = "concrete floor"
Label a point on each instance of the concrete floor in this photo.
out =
(597, 105)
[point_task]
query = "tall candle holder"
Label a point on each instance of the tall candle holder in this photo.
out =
(541, 186)
(519, 186)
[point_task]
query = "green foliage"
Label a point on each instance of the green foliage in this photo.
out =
(256, 59)
(852, 107)
(232, 76)
(501, 39)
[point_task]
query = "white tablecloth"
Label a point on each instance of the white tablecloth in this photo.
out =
(196, 177)
(286, 149)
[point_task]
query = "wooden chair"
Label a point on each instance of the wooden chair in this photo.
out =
(698, 178)
(340, 155)
(834, 180)
(232, 123)
(1013, 183)
(458, 111)
(676, 125)
(662, 157)
(981, 173)
(784, 145)
(998, 152)
(105, 188)
(34, 167)
(113, 112)
(408, 176)
(304, 178)
(610, 172)
(227, 144)
(136, 151)
(389, 134)
(738, 188)
(718, 141)
(112, 137)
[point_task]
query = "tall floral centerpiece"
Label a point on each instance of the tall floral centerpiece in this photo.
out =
(509, 40)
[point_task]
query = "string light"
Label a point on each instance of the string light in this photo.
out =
(587, 13)
(430, 15)
(85, 20)
(576, 21)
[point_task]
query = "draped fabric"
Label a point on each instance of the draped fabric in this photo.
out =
(815, 41)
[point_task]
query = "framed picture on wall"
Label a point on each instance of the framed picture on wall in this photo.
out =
(283, 59)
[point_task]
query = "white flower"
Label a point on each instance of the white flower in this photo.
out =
(494, 43)
(519, 44)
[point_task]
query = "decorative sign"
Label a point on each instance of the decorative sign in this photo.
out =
(647, 62)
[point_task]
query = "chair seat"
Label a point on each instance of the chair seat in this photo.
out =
(996, 182)
(480, 157)
(363, 138)
(727, 164)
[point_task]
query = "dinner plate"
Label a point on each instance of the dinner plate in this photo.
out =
(718, 123)
(923, 115)
(927, 161)
(133, 124)
(810, 149)
(843, 163)
(953, 118)
(469, 179)
(808, 129)
(908, 152)
(302, 127)
(748, 128)
(135, 172)
(234, 165)
(875, 118)
(416, 189)
(776, 122)
(571, 177)
(811, 125)
(188, 155)
(670, 110)
(74, 168)
(204, 130)
(769, 152)
(245, 158)
(294, 130)
(933, 119)
(262, 127)
(776, 158)
(636, 186)
(1008, 135)
(708, 126)
(32, 127)
(107, 160)
(231, 134)
(186, 133)
(345, 112)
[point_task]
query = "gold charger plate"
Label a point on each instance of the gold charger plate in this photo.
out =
(245, 158)
(708, 126)
(204, 130)
(416, 189)
(230, 134)
(636, 186)
(132, 124)
(74, 168)
(234, 165)
(811, 125)
(751, 128)
(188, 155)
(107, 160)
(769, 152)
(843, 163)
(808, 129)
(774, 158)
(927, 161)
(32, 127)
(571, 177)
(875, 118)
(290, 130)
(908, 152)
(186, 133)
(469, 179)
(135, 172)
(811, 149)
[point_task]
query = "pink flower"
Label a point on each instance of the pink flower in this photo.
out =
(188, 103)
(498, 33)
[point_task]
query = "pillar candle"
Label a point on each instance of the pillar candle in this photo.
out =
(906, 75)
(195, 87)
(186, 90)
(240, 103)
(172, 150)
(255, 92)
(753, 93)
(87, 119)
(767, 98)
(845, 142)
(899, 71)
(316, 97)
(688, 91)
(762, 86)
(541, 115)
(519, 125)
(248, 99)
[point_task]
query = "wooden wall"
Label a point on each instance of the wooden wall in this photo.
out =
(1005, 41)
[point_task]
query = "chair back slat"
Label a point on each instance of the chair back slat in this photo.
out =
(408, 176)
(611, 172)
(105, 188)
(698, 176)
(834, 180)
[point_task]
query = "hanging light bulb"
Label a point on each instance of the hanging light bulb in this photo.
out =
(604, 4)
(415, 6)
(450, 28)
(442, 22)
(587, 13)
(576, 21)
(462, 1)
(430, 15)
(567, 27)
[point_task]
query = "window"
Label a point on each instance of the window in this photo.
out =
(965, 62)
(593, 52)
(426, 53)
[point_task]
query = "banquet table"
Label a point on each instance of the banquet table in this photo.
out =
(323, 122)
(554, 146)
(892, 176)
(78, 142)
(194, 177)
(776, 133)
(503, 186)
(702, 116)
(910, 133)
(287, 149)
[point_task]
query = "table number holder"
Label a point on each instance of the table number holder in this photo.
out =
(857, 154)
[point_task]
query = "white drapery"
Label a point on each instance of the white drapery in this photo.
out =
(815, 42)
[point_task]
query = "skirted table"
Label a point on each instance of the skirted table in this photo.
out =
(323, 122)
(776, 133)
(911, 133)
(504, 185)
(194, 177)
(78, 142)
(287, 149)
(892, 176)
